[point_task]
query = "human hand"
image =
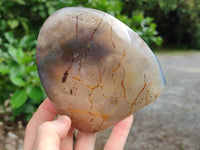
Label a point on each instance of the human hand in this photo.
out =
(45, 133)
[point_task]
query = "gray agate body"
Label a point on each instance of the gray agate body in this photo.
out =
(95, 69)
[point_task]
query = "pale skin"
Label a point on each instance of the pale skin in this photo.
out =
(44, 132)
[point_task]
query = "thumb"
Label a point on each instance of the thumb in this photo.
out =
(50, 133)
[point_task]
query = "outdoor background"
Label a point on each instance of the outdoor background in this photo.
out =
(170, 27)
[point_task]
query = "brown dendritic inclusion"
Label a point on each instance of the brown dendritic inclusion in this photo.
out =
(95, 69)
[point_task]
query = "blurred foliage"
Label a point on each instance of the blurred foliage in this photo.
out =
(19, 77)
(21, 20)
(178, 21)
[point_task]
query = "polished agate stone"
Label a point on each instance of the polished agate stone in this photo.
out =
(95, 69)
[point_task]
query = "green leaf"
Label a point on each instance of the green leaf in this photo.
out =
(4, 69)
(158, 41)
(15, 75)
(17, 54)
(137, 17)
(26, 41)
(13, 23)
(0, 40)
(27, 59)
(29, 108)
(51, 10)
(35, 93)
(10, 37)
(34, 73)
(17, 70)
(25, 26)
(22, 2)
(18, 99)
(13, 52)
(17, 81)
(20, 55)
(31, 68)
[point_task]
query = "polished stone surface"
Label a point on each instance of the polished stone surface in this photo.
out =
(95, 69)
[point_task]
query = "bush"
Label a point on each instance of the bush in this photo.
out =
(20, 78)
(20, 22)
(178, 20)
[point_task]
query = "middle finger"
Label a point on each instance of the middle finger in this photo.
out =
(85, 141)
(67, 142)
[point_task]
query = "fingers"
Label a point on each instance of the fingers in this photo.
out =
(119, 134)
(67, 142)
(45, 112)
(85, 141)
(50, 133)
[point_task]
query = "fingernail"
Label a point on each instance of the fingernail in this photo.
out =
(64, 119)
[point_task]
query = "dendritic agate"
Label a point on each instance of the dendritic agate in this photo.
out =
(95, 69)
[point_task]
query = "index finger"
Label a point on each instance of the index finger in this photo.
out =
(119, 134)
(45, 112)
